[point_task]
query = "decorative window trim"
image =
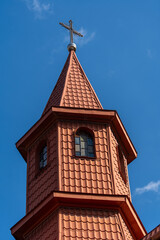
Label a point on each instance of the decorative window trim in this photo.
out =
(89, 132)
(121, 164)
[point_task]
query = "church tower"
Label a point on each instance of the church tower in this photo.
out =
(77, 178)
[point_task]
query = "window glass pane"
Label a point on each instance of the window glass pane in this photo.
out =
(83, 152)
(78, 154)
(43, 157)
(45, 149)
(90, 141)
(90, 149)
(90, 154)
(83, 138)
(45, 163)
(77, 148)
(77, 140)
(121, 163)
(83, 145)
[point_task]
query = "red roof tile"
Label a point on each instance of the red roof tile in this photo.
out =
(78, 223)
(73, 88)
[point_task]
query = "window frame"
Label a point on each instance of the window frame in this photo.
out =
(89, 132)
(43, 160)
(121, 163)
(38, 150)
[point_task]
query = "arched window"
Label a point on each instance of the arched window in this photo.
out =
(84, 144)
(121, 163)
(43, 157)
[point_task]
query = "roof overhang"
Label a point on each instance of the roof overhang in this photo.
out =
(58, 199)
(56, 113)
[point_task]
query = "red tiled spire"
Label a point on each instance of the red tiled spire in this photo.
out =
(73, 88)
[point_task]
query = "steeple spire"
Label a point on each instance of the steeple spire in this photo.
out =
(71, 45)
(73, 88)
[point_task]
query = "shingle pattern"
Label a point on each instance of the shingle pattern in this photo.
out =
(121, 187)
(79, 92)
(152, 234)
(83, 174)
(47, 230)
(73, 88)
(46, 181)
(126, 232)
(90, 224)
(56, 95)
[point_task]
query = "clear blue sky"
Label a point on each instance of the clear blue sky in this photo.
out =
(120, 54)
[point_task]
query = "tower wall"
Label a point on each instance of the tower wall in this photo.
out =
(40, 183)
(121, 187)
(83, 174)
(99, 175)
(81, 223)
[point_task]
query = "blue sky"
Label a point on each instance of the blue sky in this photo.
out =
(120, 53)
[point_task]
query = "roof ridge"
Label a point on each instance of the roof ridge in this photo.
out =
(66, 79)
(59, 79)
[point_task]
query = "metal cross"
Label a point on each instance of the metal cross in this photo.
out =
(70, 28)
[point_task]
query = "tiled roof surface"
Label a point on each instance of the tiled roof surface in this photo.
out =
(47, 230)
(125, 229)
(80, 174)
(57, 92)
(38, 187)
(121, 187)
(73, 88)
(152, 235)
(90, 224)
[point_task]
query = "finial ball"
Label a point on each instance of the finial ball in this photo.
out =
(71, 46)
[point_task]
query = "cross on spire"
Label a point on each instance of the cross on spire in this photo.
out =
(72, 45)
